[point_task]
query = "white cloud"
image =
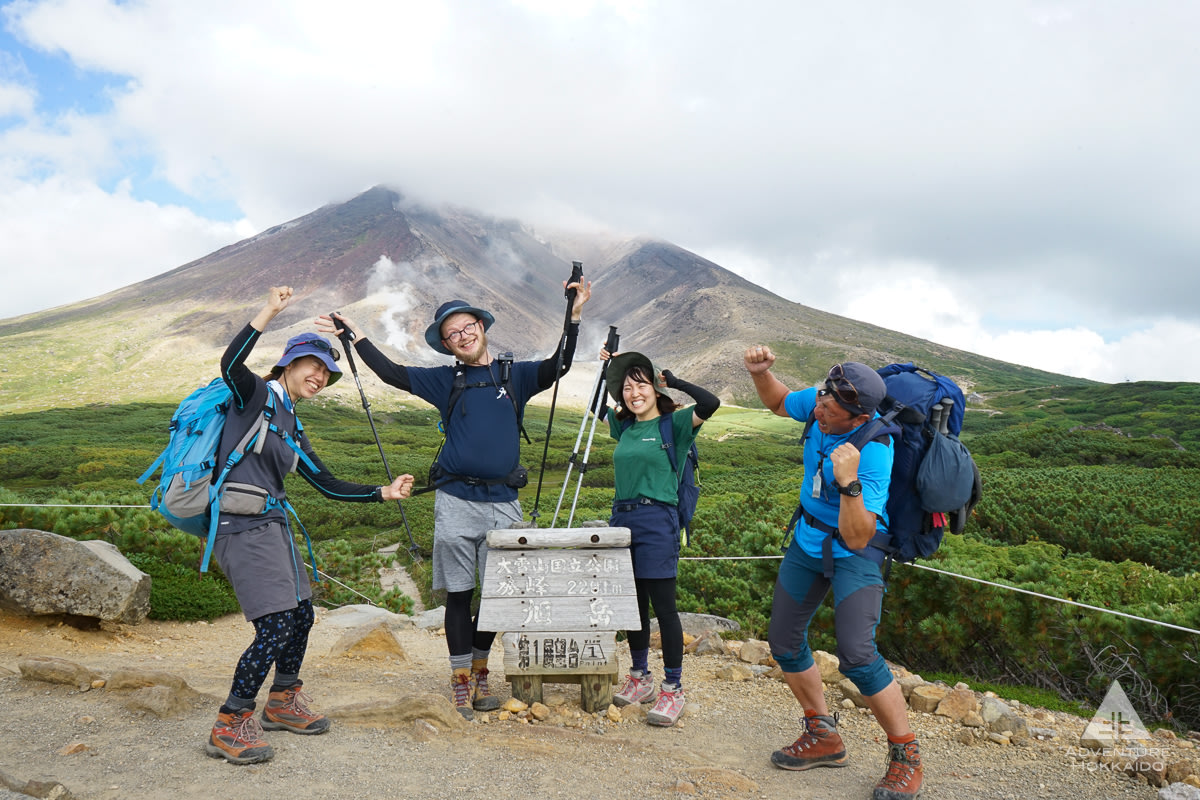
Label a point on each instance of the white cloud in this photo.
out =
(916, 300)
(1038, 159)
(65, 241)
(15, 100)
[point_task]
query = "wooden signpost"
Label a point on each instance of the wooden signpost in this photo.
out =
(559, 595)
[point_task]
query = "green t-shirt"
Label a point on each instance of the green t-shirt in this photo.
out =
(641, 464)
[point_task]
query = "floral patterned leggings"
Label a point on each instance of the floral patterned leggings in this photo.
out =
(280, 639)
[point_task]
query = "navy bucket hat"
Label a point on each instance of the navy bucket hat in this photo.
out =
(312, 344)
(433, 334)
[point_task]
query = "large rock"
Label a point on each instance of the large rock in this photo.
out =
(44, 573)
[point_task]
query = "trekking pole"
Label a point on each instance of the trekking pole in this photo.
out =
(347, 339)
(576, 276)
(597, 390)
(599, 404)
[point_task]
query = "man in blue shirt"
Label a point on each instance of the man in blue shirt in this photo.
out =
(843, 508)
(478, 468)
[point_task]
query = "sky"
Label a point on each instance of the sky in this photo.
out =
(1015, 179)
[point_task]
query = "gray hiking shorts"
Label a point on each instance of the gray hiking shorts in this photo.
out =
(460, 538)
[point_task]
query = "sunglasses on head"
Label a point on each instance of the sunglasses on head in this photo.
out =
(838, 384)
(320, 344)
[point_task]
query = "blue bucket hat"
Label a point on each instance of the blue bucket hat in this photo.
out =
(312, 344)
(433, 334)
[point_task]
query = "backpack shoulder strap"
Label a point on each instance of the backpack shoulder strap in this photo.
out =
(666, 433)
(460, 385)
(456, 389)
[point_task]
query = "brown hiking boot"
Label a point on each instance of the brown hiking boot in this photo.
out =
(819, 746)
(904, 775)
(237, 738)
(288, 711)
(460, 687)
(482, 698)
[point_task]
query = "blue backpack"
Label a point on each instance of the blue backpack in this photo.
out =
(689, 485)
(935, 482)
(189, 490)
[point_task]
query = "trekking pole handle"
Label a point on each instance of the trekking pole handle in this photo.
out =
(576, 276)
(613, 340)
(599, 399)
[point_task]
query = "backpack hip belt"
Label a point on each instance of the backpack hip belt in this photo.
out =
(876, 549)
(624, 506)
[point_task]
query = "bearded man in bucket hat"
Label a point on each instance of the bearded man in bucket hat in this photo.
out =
(478, 466)
(843, 506)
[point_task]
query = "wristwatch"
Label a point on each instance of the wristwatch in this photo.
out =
(852, 489)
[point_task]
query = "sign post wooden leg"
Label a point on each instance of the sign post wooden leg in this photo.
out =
(595, 692)
(527, 688)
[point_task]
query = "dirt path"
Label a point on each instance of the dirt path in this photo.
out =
(719, 749)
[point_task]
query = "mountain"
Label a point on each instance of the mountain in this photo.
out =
(388, 263)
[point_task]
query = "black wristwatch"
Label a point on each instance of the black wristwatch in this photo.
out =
(852, 489)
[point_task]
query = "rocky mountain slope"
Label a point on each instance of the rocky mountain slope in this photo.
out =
(389, 263)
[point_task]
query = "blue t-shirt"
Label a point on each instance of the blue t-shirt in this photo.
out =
(874, 472)
(482, 436)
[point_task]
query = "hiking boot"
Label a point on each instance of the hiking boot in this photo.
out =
(237, 738)
(638, 688)
(482, 698)
(460, 687)
(669, 705)
(904, 775)
(287, 710)
(819, 746)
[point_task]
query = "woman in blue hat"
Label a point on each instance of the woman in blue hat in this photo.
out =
(254, 544)
(646, 502)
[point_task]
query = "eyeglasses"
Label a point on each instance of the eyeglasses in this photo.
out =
(837, 383)
(320, 344)
(465, 330)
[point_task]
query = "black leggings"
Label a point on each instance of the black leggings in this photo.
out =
(461, 634)
(280, 639)
(661, 593)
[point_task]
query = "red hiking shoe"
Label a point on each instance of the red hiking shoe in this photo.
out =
(288, 711)
(237, 738)
(819, 746)
(904, 775)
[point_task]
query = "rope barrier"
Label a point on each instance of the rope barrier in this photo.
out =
(1059, 599)
(729, 558)
(748, 558)
(67, 505)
